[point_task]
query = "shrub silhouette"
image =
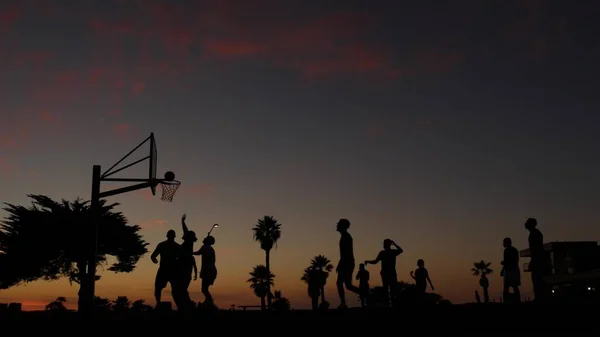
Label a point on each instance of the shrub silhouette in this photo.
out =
(121, 304)
(405, 294)
(140, 306)
(280, 303)
(58, 305)
(102, 305)
(47, 240)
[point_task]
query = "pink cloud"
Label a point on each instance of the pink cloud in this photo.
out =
(7, 166)
(138, 88)
(8, 16)
(154, 224)
(197, 190)
(121, 128)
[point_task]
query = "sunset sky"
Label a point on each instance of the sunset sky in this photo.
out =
(442, 125)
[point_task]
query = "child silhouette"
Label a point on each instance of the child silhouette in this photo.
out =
(363, 284)
(421, 277)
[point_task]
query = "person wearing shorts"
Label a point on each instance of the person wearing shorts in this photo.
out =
(168, 251)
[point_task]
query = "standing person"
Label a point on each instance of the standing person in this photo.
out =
(421, 277)
(510, 271)
(168, 251)
(539, 263)
(345, 267)
(208, 270)
(389, 277)
(186, 266)
(363, 277)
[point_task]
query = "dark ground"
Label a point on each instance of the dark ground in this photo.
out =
(513, 320)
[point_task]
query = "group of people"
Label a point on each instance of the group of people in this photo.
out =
(389, 277)
(177, 265)
(538, 265)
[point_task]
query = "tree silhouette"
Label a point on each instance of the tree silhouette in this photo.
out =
(261, 280)
(102, 304)
(121, 304)
(267, 232)
(323, 265)
(483, 269)
(58, 305)
(313, 278)
(140, 306)
(47, 240)
(280, 303)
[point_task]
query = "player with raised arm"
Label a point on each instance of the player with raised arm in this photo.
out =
(186, 265)
(389, 277)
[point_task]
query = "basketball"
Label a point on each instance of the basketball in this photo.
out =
(169, 176)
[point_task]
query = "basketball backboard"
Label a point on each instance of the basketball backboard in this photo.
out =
(153, 161)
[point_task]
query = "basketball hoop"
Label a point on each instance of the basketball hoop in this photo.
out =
(168, 189)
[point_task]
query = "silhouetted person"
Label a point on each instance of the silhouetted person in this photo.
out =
(485, 284)
(421, 277)
(186, 265)
(168, 251)
(510, 271)
(208, 270)
(345, 267)
(389, 277)
(477, 298)
(363, 277)
(538, 264)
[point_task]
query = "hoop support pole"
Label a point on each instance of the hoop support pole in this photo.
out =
(90, 292)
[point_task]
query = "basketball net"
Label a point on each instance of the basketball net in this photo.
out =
(168, 189)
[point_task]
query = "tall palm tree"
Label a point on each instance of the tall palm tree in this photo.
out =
(323, 265)
(312, 277)
(483, 269)
(261, 280)
(267, 232)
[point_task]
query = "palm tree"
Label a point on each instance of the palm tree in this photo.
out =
(483, 269)
(267, 232)
(47, 240)
(261, 280)
(312, 277)
(323, 265)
